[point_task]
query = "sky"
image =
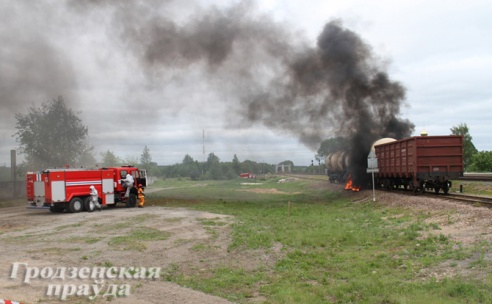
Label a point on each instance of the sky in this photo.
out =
(264, 80)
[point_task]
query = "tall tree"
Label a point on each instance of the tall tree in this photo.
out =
(482, 161)
(146, 158)
(109, 159)
(214, 167)
(468, 146)
(51, 135)
(189, 167)
(187, 160)
(130, 160)
(87, 158)
(331, 145)
(249, 166)
(236, 165)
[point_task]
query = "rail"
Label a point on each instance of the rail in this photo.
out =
(477, 176)
(466, 198)
(473, 199)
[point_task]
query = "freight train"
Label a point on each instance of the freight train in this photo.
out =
(419, 163)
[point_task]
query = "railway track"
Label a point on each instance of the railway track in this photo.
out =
(472, 199)
(477, 177)
(466, 198)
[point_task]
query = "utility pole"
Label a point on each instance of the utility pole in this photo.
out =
(13, 170)
(203, 149)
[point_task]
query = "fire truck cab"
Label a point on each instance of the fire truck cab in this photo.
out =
(139, 177)
(68, 189)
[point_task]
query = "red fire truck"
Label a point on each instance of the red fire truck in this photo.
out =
(68, 189)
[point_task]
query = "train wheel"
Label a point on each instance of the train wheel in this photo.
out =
(391, 185)
(445, 188)
(75, 205)
(436, 189)
(385, 185)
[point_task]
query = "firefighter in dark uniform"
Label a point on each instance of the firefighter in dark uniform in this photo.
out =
(141, 196)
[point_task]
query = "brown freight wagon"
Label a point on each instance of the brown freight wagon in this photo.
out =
(420, 162)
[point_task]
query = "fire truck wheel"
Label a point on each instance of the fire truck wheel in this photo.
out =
(75, 205)
(88, 205)
(131, 201)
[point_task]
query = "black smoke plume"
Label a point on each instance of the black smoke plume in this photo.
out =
(263, 71)
(337, 87)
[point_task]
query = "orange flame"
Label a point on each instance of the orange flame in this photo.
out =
(350, 185)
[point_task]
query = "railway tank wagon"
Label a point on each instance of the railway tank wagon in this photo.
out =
(337, 164)
(420, 163)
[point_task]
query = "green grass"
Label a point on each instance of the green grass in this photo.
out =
(9, 202)
(231, 190)
(134, 221)
(70, 226)
(82, 239)
(135, 239)
(333, 250)
(473, 187)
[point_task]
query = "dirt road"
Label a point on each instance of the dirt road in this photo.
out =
(155, 238)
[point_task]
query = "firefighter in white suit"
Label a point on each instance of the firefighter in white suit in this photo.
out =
(128, 183)
(94, 203)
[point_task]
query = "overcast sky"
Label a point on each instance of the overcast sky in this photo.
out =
(112, 61)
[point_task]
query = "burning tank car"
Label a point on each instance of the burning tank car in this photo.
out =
(420, 163)
(337, 164)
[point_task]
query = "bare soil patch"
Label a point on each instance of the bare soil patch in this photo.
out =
(264, 191)
(42, 239)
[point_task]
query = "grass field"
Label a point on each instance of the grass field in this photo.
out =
(474, 187)
(324, 248)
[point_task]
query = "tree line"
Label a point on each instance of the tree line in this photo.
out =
(52, 135)
(212, 168)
